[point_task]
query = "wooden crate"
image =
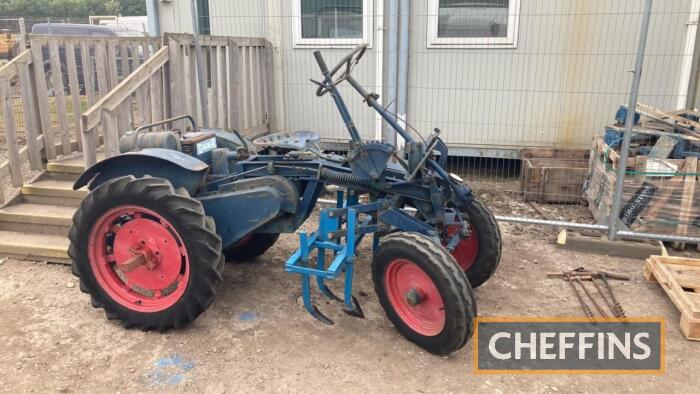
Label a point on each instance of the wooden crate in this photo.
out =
(680, 278)
(553, 180)
(658, 194)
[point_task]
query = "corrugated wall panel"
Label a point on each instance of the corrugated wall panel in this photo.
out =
(563, 82)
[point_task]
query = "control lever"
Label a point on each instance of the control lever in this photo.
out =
(317, 83)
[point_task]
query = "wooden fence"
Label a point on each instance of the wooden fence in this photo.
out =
(78, 93)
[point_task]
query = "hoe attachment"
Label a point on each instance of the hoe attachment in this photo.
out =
(340, 230)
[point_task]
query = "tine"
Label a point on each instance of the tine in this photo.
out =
(320, 316)
(355, 310)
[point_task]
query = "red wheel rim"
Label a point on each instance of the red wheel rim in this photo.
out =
(138, 258)
(414, 297)
(467, 249)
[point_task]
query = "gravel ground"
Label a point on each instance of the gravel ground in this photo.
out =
(256, 337)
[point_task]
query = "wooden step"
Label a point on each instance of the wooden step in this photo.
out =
(41, 247)
(48, 191)
(53, 188)
(37, 218)
(74, 165)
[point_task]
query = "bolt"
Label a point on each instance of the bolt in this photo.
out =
(413, 297)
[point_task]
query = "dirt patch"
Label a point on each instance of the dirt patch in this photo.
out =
(255, 337)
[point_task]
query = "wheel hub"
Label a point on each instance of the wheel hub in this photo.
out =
(414, 297)
(139, 259)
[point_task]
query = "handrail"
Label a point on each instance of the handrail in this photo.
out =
(91, 117)
(9, 70)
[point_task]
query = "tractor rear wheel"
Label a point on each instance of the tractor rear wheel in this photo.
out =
(250, 247)
(423, 292)
(480, 253)
(145, 253)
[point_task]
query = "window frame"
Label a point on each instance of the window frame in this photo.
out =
(508, 42)
(367, 26)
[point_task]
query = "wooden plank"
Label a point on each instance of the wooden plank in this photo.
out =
(42, 101)
(234, 87)
(121, 122)
(77, 39)
(59, 96)
(138, 117)
(684, 261)
(688, 196)
(10, 133)
(23, 156)
(176, 86)
(125, 112)
(111, 139)
(89, 140)
(671, 287)
(10, 70)
(206, 40)
(214, 91)
(31, 116)
(190, 82)
(74, 91)
(88, 72)
(678, 122)
(156, 82)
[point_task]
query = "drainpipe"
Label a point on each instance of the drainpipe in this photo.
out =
(379, 72)
(153, 18)
(402, 92)
(393, 64)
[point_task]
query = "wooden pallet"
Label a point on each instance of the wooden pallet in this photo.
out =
(679, 277)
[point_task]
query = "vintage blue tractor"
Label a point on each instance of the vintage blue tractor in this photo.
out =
(150, 240)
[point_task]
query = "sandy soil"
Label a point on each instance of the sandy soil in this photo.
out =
(256, 337)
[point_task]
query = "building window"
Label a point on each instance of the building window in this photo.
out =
(332, 23)
(473, 23)
(203, 23)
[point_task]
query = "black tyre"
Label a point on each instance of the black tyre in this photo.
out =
(423, 292)
(250, 247)
(480, 253)
(145, 253)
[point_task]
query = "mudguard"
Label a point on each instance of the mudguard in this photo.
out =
(180, 169)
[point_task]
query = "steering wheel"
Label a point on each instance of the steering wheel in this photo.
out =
(348, 61)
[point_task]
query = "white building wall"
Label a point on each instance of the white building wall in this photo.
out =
(561, 84)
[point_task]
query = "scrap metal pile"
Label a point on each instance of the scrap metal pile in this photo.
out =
(659, 186)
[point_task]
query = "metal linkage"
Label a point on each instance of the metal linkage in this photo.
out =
(330, 236)
(579, 275)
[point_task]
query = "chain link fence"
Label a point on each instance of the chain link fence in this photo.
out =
(530, 96)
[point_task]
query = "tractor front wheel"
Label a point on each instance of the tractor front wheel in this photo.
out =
(480, 253)
(423, 292)
(145, 253)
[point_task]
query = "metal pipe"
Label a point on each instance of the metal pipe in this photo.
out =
(395, 127)
(379, 71)
(393, 65)
(203, 95)
(402, 91)
(555, 223)
(629, 122)
(153, 18)
(659, 237)
(694, 73)
(574, 226)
